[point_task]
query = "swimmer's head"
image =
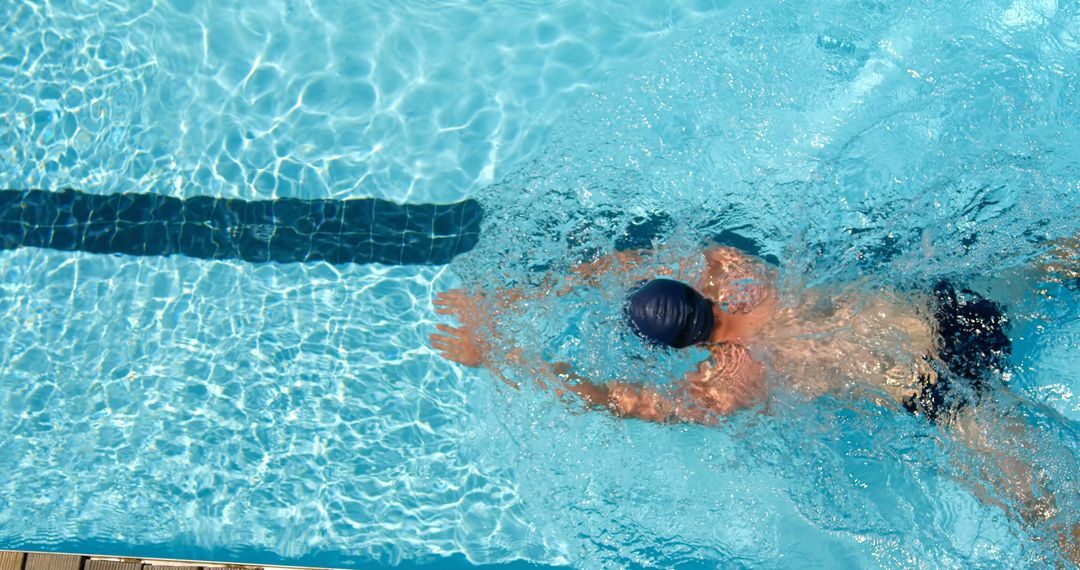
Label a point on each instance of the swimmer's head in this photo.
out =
(667, 312)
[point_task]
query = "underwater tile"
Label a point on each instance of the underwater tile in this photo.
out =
(196, 240)
(97, 237)
(292, 213)
(253, 244)
(446, 220)
(39, 209)
(157, 239)
(37, 236)
(256, 213)
(12, 234)
(65, 238)
(103, 209)
(199, 208)
(133, 207)
(11, 205)
(359, 213)
(167, 209)
(128, 238)
(287, 245)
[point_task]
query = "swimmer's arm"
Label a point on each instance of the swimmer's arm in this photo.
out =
(1062, 261)
(723, 259)
(625, 400)
(629, 400)
(724, 254)
(630, 265)
(471, 345)
(624, 262)
(730, 381)
(1009, 478)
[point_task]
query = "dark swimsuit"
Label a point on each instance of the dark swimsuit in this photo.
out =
(973, 347)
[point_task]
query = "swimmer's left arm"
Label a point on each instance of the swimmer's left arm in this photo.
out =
(587, 273)
(471, 344)
(631, 264)
(621, 261)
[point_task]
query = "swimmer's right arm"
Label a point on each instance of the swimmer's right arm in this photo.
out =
(1061, 262)
(630, 400)
(471, 345)
(730, 381)
(633, 265)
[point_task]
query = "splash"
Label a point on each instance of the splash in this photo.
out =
(876, 144)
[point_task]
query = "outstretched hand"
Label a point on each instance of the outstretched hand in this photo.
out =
(464, 306)
(1062, 262)
(460, 345)
(466, 344)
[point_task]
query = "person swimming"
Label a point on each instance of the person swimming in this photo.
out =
(971, 340)
(935, 354)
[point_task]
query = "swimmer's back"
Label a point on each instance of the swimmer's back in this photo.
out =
(833, 341)
(821, 341)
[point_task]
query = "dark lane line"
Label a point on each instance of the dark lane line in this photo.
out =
(285, 230)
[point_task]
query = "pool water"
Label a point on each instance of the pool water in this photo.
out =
(293, 413)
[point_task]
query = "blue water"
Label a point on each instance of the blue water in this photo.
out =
(294, 414)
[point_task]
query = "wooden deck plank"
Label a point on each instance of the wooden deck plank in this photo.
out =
(111, 565)
(38, 561)
(22, 560)
(12, 560)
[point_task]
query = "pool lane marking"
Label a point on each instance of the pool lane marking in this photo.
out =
(285, 230)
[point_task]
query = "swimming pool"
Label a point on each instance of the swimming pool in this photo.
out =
(293, 413)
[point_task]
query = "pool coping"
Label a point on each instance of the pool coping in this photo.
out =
(26, 560)
(70, 560)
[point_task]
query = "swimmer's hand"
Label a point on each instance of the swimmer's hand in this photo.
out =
(461, 345)
(1062, 262)
(463, 305)
(467, 344)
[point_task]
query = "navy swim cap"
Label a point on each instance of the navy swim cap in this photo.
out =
(670, 313)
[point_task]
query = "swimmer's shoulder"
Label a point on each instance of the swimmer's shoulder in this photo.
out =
(736, 279)
(726, 255)
(725, 259)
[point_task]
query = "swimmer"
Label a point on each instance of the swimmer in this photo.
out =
(937, 355)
